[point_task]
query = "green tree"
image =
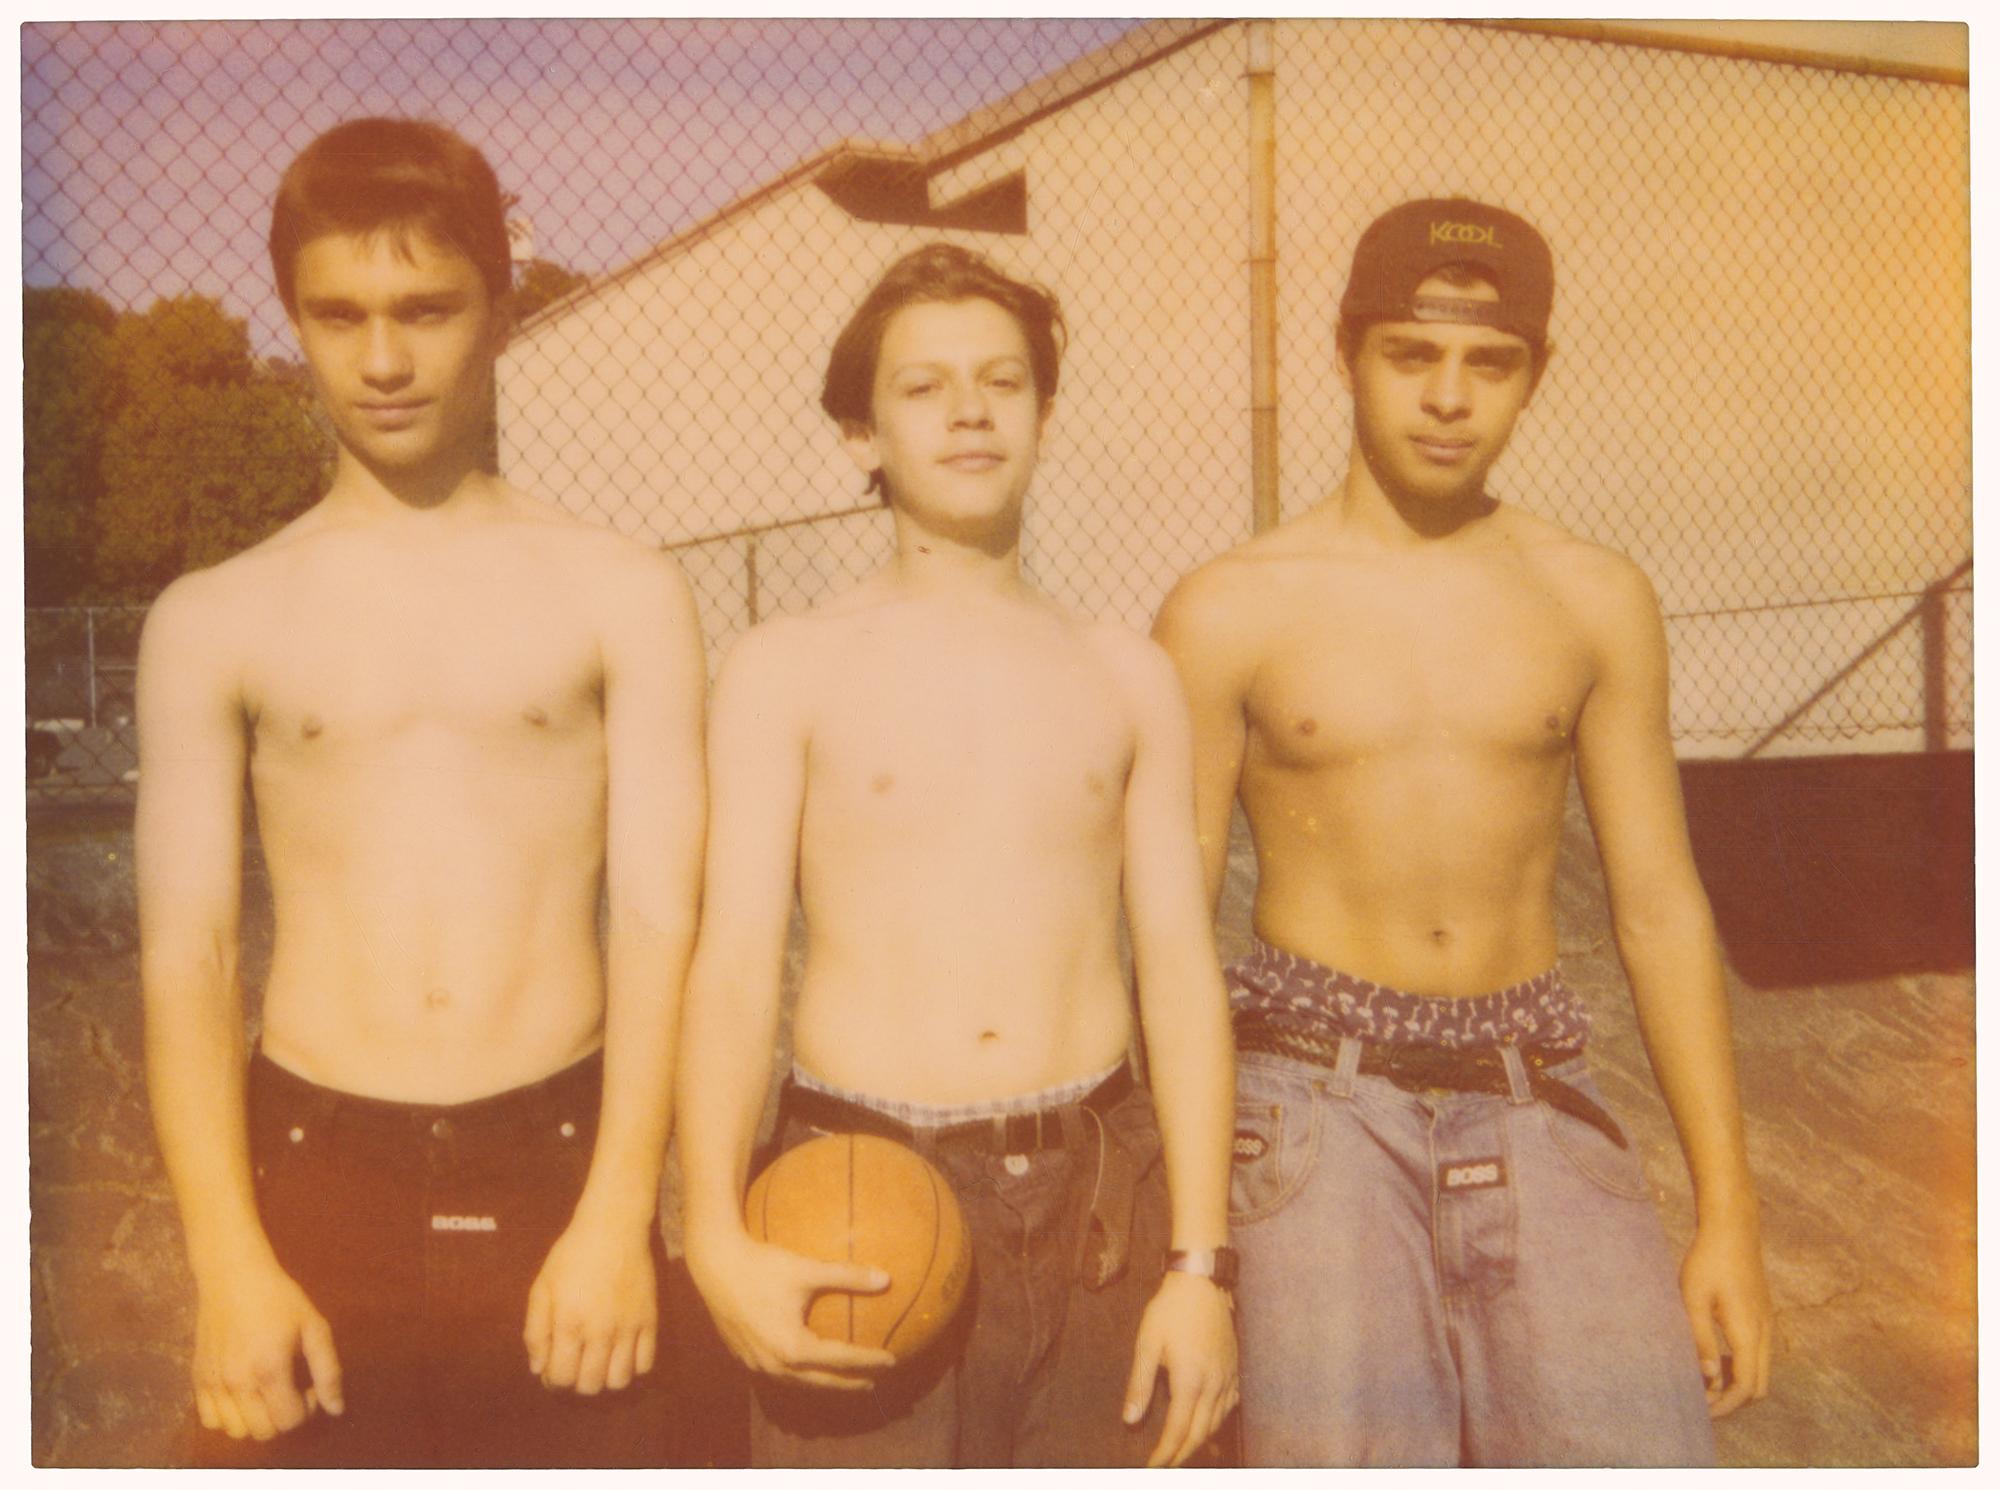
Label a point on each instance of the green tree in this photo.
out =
(541, 283)
(69, 387)
(207, 452)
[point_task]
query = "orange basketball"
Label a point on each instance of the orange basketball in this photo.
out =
(853, 1197)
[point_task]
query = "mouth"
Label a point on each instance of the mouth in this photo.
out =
(1443, 450)
(974, 461)
(393, 413)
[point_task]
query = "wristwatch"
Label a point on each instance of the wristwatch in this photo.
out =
(1219, 1266)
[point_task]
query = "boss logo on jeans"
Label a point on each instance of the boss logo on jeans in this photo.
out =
(1472, 1174)
(464, 1223)
(1464, 232)
(1248, 1146)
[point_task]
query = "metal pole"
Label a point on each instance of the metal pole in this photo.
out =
(750, 574)
(1933, 634)
(1263, 278)
(90, 652)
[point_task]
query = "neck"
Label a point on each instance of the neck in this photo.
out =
(931, 563)
(367, 490)
(1401, 519)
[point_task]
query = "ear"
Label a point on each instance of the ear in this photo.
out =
(1540, 366)
(1342, 349)
(502, 330)
(859, 441)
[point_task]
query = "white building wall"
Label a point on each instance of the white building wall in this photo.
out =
(1760, 387)
(1761, 381)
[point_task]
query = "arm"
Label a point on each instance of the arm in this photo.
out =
(251, 1319)
(757, 1293)
(1188, 1327)
(1216, 684)
(1666, 939)
(593, 1313)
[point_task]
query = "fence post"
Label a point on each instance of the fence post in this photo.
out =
(750, 574)
(1932, 626)
(90, 656)
(1263, 278)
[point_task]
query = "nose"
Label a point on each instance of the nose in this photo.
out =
(1447, 393)
(969, 407)
(385, 355)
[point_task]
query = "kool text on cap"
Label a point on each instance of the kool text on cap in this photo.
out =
(1408, 244)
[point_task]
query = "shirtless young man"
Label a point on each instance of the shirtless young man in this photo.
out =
(463, 715)
(1449, 1248)
(960, 779)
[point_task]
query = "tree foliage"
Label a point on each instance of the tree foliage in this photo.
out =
(156, 441)
(541, 284)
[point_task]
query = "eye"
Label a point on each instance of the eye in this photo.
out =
(918, 390)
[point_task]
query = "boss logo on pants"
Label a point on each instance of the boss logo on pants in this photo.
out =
(464, 1223)
(1248, 1146)
(1472, 1174)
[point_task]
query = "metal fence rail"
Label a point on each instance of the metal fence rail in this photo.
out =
(1760, 387)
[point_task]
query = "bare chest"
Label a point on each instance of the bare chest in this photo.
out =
(1487, 663)
(1008, 735)
(487, 660)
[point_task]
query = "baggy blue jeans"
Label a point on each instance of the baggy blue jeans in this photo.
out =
(1444, 1278)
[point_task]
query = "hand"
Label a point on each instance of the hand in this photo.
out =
(247, 1333)
(593, 1310)
(1722, 1284)
(759, 1294)
(1190, 1329)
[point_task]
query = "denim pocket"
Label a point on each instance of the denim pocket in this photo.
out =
(1275, 1141)
(1590, 1152)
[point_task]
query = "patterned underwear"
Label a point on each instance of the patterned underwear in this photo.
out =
(1296, 993)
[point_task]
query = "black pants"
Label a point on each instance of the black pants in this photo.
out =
(417, 1231)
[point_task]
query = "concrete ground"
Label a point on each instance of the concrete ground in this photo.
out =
(1859, 1103)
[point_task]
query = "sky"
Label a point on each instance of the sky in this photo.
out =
(151, 150)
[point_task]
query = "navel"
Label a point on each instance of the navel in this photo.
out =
(987, 1037)
(1094, 783)
(437, 998)
(1552, 722)
(882, 783)
(1441, 937)
(536, 715)
(310, 727)
(1308, 726)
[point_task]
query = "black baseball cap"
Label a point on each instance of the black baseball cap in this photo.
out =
(1408, 244)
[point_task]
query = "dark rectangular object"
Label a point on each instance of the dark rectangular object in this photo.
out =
(1836, 868)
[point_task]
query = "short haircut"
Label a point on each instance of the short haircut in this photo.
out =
(1348, 331)
(398, 176)
(938, 272)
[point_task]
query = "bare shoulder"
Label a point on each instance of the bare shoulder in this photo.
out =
(1139, 668)
(1610, 595)
(776, 660)
(1231, 598)
(214, 612)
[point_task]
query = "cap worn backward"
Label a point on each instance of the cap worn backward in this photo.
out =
(1408, 244)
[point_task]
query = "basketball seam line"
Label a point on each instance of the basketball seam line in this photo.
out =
(930, 1262)
(853, 1159)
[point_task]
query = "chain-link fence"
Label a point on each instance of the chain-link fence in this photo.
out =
(1760, 390)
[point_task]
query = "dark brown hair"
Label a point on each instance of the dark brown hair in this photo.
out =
(397, 175)
(938, 272)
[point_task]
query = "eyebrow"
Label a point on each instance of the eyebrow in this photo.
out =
(401, 305)
(931, 365)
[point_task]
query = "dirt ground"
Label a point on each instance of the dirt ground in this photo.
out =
(1859, 1104)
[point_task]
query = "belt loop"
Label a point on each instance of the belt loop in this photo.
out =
(1345, 1065)
(1518, 1091)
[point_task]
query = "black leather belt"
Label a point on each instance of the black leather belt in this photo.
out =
(1416, 1068)
(1003, 1133)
